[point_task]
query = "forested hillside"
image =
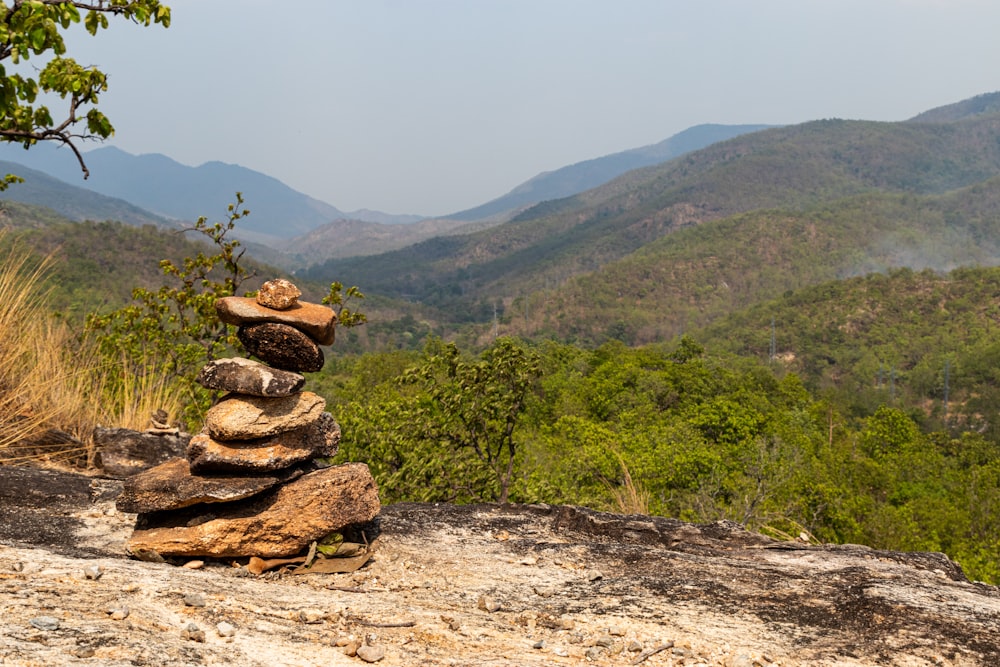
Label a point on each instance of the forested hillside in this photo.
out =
(792, 170)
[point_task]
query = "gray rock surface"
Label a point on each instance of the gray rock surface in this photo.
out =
(718, 594)
(246, 376)
(122, 452)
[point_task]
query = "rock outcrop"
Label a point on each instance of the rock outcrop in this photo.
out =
(481, 586)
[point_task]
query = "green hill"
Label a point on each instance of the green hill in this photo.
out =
(922, 340)
(689, 278)
(791, 169)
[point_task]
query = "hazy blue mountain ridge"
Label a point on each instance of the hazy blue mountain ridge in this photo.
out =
(576, 178)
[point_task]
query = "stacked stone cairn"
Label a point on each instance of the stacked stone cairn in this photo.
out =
(249, 485)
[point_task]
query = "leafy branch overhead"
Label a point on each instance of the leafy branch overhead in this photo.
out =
(34, 28)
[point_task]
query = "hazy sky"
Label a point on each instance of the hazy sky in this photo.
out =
(432, 106)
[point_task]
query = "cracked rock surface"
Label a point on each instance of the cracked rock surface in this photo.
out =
(478, 585)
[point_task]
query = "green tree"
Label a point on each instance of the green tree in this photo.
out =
(476, 405)
(34, 28)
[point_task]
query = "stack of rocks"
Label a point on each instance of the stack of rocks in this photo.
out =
(250, 485)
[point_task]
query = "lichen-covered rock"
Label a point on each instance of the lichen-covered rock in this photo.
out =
(246, 376)
(279, 294)
(239, 417)
(315, 320)
(172, 486)
(316, 440)
(278, 523)
(282, 346)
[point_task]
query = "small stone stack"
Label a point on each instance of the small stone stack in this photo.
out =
(249, 485)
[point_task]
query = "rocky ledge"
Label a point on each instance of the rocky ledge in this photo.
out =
(477, 585)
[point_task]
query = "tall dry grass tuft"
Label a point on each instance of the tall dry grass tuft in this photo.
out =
(54, 387)
(629, 497)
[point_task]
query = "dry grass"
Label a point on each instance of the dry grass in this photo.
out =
(54, 388)
(629, 497)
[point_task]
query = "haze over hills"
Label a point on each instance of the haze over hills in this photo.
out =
(284, 220)
(40, 189)
(662, 249)
(173, 190)
(813, 173)
(588, 174)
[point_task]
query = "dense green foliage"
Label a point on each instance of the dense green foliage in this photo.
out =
(700, 436)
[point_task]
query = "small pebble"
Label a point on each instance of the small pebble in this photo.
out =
(487, 603)
(194, 564)
(594, 652)
(225, 629)
(194, 600)
(193, 633)
(47, 623)
(605, 642)
(616, 631)
(17, 567)
(540, 644)
(370, 653)
(634, 646)
(118, 612)
(84, 652)
(93, 572)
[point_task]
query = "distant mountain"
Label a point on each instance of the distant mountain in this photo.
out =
(567, 248)
(588, 174)
(173, 190)
(970, 108)
(74, 203)
(352, 238)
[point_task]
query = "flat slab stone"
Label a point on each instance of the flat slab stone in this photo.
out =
(281, 522)
(316, 440)
(282, 346)
(249, 417)
(246, 376)
(316, 320)
(279, 294)
(172, 486)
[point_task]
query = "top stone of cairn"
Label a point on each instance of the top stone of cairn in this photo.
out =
(279, 294)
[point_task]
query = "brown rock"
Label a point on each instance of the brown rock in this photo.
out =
(279, 294)
(122, 452)
(171, 486)
(316, 320)
(246, 376)
(320, 439)
(249, 417)
(282, 346)
(279, 523)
